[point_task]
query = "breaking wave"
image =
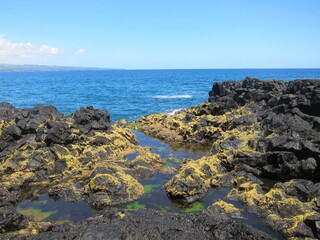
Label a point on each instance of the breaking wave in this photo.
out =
(173, 96)
(175, 111)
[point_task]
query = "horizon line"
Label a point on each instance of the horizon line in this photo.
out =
(132, 69)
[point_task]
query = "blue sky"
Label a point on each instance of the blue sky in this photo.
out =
(161, 34)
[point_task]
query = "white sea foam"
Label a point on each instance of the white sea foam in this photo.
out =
(173, 96)
(175, 111)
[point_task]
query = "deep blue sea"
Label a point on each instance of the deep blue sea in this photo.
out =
(127, 94)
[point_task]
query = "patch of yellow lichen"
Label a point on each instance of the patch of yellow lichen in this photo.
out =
(107, 181)
(177, 128)
(16, 179)
(60, 151)
(110, 183)
(5, 124)
(102, 149)
(118, 141)
(284, 213)
(2, 126)
(296, 220)
(134, 189)
(228, 208)
(33, 228)
(20, 158)
(194, 175)
(250, 194)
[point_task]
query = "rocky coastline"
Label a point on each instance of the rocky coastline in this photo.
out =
(265, 137)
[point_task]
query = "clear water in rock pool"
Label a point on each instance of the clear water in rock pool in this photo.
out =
(45, 208)
(174, 150)
(132, 156)
(48, 209)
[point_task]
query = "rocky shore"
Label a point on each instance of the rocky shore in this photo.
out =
(265, 137)
(76, 157)
(260, 130)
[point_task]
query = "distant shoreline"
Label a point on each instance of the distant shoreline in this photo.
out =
(53, 68)
(46, 68)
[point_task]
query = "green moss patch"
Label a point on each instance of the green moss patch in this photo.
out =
(195, 207)
(159, 149)
(164, 209)
(133, 126)
(150, 188)
(35, 213)
(135, 206)
(171, 162)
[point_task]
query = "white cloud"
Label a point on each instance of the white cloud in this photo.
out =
(79, 52)
(25, 52)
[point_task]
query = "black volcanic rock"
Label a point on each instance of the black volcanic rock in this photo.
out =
(10, 220)
(87, 119)
(288, 110)
(150, 224)
(268, 129)
(246, 91)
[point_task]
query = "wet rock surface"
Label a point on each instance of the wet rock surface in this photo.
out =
(266, 129)
(150, 224)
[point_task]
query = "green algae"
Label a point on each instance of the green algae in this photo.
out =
(195, 207)
(133, 126)
(159, 149)
(135, 206)
(35, 213)
(164, 209)
(150, 188)
(170, 162)
(168, 165)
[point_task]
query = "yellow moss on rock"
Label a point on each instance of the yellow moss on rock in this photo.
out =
(5, 124)
(17, 179)
(36, 214)
(176, 128)
(228, 208)
(60, 151)
(195, 175)
(107, 182)
(282, 212)
(115, 188)
(33, 228)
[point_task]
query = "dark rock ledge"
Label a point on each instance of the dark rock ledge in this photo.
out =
(150, 224)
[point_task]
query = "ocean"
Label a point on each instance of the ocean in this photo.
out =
(127, 94)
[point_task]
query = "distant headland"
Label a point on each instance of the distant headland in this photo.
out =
(44, 68)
